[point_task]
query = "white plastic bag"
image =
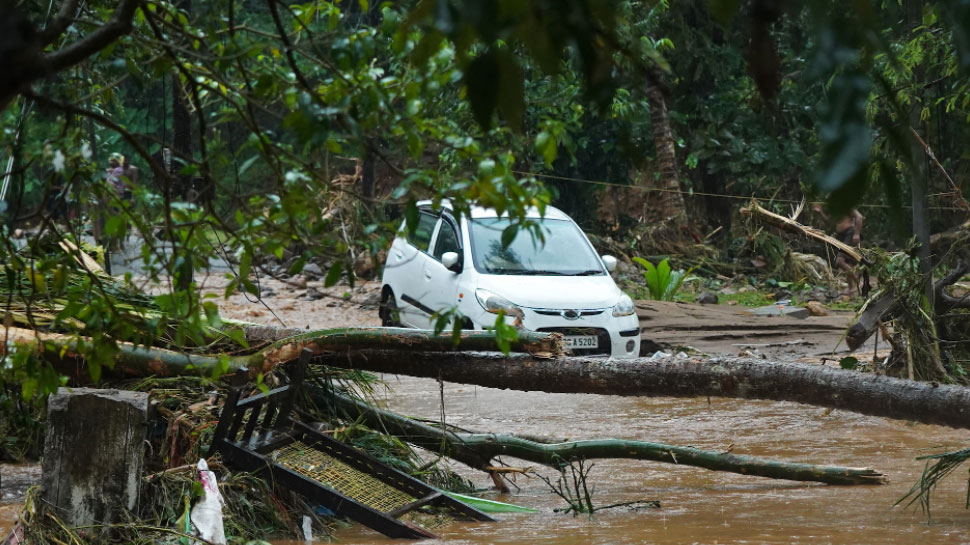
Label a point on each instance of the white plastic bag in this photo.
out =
(207, 513)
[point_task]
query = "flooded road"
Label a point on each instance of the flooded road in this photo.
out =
(698, 506)
(701, 506)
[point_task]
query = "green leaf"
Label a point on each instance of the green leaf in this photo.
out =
(411, 216)
(333, 274)
(546, 146)
(849, 362)
(246, 164)
(845, 133)
(508, 235)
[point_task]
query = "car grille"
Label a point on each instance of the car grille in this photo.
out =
(558, 312)
(605, 345)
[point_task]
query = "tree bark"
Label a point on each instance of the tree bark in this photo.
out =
(139, 361)
(423, 354)
(671, 201)
(478, 449)
(744, 378)
(883, 308)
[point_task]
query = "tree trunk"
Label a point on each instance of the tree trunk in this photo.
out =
(478, 449)
(745, 378)
(138, 361)
(883, 308)
(670, 201)
(422, 354)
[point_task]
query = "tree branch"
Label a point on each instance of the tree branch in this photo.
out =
(119, 25)
(65, 18)
(477, 449)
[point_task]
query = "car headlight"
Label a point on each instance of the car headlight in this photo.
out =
(624, 307)
(495, 303)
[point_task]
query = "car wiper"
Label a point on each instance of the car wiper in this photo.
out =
(508, 271)
(588, 272)
(542, 272)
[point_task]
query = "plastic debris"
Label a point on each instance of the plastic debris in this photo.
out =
(659, 355)
(207, 513)
(307, 529)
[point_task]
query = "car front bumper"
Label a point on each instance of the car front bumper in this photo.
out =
(618, 336)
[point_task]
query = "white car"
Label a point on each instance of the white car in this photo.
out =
(561, 285)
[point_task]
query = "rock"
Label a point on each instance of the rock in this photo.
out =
(728, 290)
(333, 304)
(314, 294)
(745, 289)
(266, 292)
(780, 310)
(312, 271)
(707, 298)
(298, 281)
(782, 295)
(816, 308)
(370, 302)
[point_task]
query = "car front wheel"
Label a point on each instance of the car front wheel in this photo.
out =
(388, 310)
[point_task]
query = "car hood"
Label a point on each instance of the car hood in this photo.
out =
(558, 292)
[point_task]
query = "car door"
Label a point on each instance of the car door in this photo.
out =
(442, 283)
(407, 261)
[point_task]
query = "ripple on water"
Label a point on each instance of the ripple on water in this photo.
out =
(701, 506)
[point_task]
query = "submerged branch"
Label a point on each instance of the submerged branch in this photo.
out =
(477, 449)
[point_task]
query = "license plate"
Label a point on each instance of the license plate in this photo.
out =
(581, 341)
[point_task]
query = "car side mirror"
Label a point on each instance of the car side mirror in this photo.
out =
(450, 261)
(610, 262)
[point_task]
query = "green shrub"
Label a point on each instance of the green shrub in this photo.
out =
(662, 282)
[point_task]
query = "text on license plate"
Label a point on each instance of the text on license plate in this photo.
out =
(581, 341)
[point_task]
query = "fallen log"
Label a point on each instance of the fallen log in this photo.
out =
(883, 308)
(745, 378)
(140, 361)
(478, 449)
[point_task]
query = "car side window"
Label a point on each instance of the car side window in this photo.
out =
(422, 235)
(447, 240)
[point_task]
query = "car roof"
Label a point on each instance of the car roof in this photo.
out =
(481, 212)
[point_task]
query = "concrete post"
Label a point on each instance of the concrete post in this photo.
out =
(93, 454)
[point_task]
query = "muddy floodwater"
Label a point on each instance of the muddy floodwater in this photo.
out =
(701, 506)
(698, 506)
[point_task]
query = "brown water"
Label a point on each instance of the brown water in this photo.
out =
(15, 479)
(698, 506)
(701, 506)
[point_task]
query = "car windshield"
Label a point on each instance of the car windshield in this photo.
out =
(564, 253)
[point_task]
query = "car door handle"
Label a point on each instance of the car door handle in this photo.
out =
(427, 274)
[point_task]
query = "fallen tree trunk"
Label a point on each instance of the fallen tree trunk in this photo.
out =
(884, 307)
(877, 395)
(746, 378)
(140, 361)
(478, 449)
